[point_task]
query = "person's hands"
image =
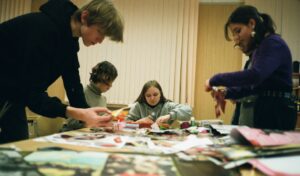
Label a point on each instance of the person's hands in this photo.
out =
(145, 120)
(90, 116)
(163, 119)
(207, 86)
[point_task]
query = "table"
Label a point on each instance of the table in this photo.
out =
(185, 168)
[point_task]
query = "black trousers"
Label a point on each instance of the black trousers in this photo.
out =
(276, 113)
(13, 122)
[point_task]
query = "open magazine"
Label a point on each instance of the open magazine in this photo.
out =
(263, 138)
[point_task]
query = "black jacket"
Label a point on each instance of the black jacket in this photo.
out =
(35, 49)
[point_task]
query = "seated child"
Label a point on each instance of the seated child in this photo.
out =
(101, 79)
(152, 106)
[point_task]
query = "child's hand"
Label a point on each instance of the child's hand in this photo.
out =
(163, 119)
(145, 120)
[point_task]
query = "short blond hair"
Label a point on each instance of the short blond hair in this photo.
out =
(104, 14)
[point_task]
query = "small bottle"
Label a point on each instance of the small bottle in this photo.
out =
(192, 122)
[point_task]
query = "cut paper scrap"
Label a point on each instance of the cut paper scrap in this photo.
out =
(190, 142)
(87, 139)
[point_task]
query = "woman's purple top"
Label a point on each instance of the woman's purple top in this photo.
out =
(271, 70)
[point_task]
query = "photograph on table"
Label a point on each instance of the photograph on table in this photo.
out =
(128, 164)
(12, 163)
(98, 140)
(68, 163)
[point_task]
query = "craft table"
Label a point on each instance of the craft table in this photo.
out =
(185, 168)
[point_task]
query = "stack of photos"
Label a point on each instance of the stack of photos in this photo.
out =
(137, 165)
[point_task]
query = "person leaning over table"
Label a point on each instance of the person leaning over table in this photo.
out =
(37, 48)
(269, 78)
(101, 79)
(152, 106)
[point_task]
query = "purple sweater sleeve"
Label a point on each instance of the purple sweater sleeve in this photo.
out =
(271, 65)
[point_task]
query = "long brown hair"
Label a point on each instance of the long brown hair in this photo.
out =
(147, 85)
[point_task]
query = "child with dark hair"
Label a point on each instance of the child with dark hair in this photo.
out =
(101, 80)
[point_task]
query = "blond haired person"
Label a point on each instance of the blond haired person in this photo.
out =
(152, 106)
(37, 48)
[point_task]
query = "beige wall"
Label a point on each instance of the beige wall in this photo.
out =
(214, 55)
(159, 43)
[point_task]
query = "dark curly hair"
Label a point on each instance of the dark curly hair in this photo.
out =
(103, 72)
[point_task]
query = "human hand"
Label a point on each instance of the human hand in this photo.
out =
(207, 86)
(90, 116)
(163, 119)
(145, 120)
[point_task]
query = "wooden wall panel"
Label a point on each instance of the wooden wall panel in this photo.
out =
(214, 55)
